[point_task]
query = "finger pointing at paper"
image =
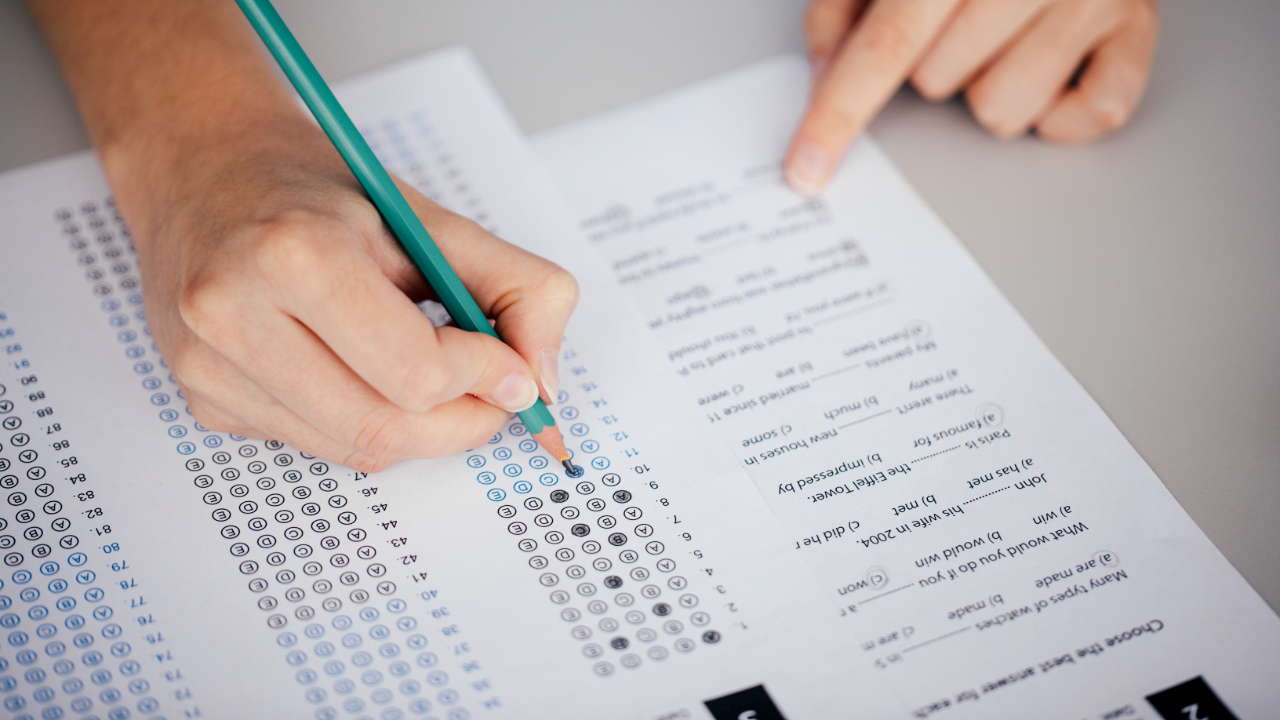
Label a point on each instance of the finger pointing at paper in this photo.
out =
(1071, 70)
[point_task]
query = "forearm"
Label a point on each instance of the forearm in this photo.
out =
(163, 84)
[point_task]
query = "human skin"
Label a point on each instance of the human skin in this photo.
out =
(282, 305)
(1071, 70)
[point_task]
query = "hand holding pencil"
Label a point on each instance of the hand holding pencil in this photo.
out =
(396, 212)
(281, 302)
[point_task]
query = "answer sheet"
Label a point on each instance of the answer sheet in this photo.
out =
(995, 543)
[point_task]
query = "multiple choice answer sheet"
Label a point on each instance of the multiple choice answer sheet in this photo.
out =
(705, 565)
(997, 546)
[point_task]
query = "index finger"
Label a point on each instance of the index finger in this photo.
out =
(529, 298)
(885, 45)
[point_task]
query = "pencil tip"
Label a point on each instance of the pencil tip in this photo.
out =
(572, 470)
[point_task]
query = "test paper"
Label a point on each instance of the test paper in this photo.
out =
(996, 544)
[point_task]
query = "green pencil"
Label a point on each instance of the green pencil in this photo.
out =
(390, 202)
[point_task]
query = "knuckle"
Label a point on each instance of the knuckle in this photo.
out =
(561, 286)
(992, 117)
(557, 289)
(888, 40)
(449, 223)
(829, 118)
(205, 305)
(208, 417)
(193, 369)
(423, 387)
(291, 247)
(1001, 127)
(1108, 114)
(931, 86)
(363, 463)
(383, 437)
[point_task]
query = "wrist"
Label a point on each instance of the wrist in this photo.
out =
(200, 154)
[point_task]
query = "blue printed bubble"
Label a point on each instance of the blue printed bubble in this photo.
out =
(410, 687)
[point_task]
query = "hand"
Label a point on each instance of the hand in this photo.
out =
(280, 302)
(285, 309)
(1072, 70)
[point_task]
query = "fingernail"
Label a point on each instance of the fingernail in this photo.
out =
(515, 393)
(550, 370)
(809, 169)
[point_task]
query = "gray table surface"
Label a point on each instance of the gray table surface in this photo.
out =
(1148, 262)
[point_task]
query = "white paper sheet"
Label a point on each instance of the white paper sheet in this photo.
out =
(154, 569)
(423, 601)
(995, 542)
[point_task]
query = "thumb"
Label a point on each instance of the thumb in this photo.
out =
(483, 366)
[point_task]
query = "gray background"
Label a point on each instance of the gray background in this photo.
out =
(1148, 262)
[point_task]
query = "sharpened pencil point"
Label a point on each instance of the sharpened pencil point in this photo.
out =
(551, 441)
